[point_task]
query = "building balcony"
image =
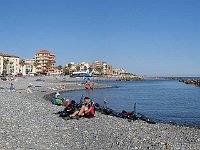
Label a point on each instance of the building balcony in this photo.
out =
(53, 61)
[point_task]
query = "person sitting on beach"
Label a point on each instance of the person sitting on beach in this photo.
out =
(57, 100)
(87, 110)
(70, 105)
(65, 102)
(57, 95)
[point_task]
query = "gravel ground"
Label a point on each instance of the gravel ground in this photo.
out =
(27, 122)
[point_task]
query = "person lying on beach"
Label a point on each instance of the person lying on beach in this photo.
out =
(50, 88)
(12, 79)
(87, 109)
(62, 87)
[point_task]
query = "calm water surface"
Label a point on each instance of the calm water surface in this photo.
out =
(164, 100)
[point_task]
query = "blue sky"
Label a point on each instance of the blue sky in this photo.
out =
(147, 37)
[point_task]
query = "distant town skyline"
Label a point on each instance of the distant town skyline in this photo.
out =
(153, 38)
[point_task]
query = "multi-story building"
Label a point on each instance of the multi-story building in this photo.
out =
(118, 71)
(57, 71)
(28, 67)
(9, 64)
(72, 66)
(46, 61)
(83, 67)
(100, 67)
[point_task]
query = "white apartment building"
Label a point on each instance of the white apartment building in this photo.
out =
(83, 67)
(28, 67)
(9, 64)
(118, 71)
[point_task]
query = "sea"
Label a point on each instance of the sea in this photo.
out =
(162, 100)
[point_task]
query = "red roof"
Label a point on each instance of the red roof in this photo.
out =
(42, 51)
(6, 55)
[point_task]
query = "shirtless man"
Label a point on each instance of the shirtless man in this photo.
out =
(85, 109)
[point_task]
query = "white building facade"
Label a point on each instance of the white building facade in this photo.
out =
(9, 64)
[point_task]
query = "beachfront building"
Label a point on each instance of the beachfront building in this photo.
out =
(57, 71)
(9, 64)
(45, 62)
(100, 67)
(84, 66)
(27, 67)
(74, 67)
(118, 71)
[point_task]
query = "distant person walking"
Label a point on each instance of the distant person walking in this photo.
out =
(12, 88)
(89, 85)
(28, 90)
(92, 85)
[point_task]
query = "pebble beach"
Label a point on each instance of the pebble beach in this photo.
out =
(27, 121)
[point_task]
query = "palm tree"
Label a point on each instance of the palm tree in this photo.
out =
(11, 67)
(5, 65)
(69, 66)
(22, 63)
(60, 67)
(66, 71)
(35, 64)
(78, 68)
(85, 68)
(49, 65)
